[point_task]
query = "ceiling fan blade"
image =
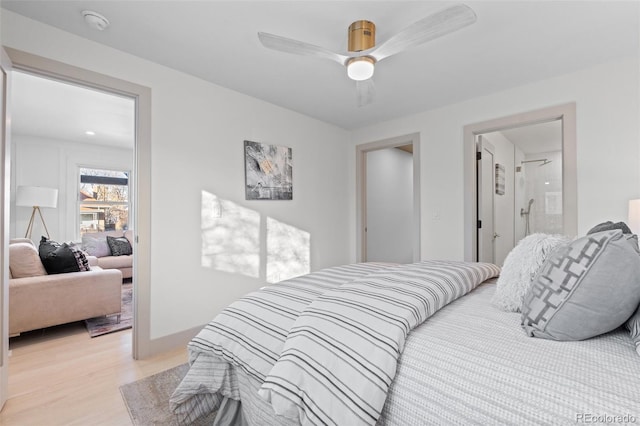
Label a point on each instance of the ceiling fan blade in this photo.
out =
(433, 26)
(366, 92)
(297, 47)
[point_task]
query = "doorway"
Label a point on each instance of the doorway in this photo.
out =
(140, 182)
(525, 197)
(565, 115)
(389, 205)
(59, 129)
(381, 167)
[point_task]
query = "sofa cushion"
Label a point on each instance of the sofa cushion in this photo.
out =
(96, 246)
(24, 261)
(128, 234)
(119, 246)
(115, 262)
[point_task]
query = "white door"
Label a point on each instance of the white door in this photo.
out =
(486, 191)
(5, 67)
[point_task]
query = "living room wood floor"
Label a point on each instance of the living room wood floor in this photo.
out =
(61, 376)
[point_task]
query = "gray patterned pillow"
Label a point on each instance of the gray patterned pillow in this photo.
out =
(634, 328)
(119, 246)
(585, 289)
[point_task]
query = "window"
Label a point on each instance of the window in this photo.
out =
(103, 200)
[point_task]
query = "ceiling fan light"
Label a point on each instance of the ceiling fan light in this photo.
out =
(360, 68)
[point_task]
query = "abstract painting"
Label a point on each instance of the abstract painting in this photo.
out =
(268, 172)
(500, 179)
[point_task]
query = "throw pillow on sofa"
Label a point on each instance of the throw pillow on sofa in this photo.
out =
(61, 258)
(95, 246)
(24, 261)
(119, 246)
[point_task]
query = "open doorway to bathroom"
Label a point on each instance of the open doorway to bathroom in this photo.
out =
(519, 186)
(565, 115)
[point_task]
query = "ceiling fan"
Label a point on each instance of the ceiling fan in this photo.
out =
(363, 54)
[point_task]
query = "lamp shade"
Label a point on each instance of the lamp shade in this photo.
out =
(32, 196)
(634, 216)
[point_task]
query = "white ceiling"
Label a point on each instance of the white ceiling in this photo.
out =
(535, 138)
(512, 43)
(56, 110)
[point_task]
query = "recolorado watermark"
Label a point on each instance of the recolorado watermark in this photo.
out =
(590, 418)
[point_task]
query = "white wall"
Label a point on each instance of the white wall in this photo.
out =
(198, 130)
(389, 206)
(54, 164)
(608, 132)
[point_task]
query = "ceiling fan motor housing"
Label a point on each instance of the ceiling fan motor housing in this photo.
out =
(362, 36)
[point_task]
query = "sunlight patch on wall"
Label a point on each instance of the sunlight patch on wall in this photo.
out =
(230, 236)
(288, 251)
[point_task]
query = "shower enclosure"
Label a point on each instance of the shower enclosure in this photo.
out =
(538, 194)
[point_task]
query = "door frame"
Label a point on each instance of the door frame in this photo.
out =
(566, 113)
(361, 190)
(141, 181)
(5, 171)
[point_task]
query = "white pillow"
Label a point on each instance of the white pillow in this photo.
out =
(520, 268)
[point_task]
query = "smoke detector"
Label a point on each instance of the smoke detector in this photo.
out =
(95, 20)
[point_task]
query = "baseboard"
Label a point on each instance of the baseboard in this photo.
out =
(170, 342)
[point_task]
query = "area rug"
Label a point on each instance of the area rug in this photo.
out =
(148, 399)
(104, 325)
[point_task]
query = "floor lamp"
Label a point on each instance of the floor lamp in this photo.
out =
(36, 197)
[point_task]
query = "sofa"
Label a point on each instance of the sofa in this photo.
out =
(39, 300)
(95, 244)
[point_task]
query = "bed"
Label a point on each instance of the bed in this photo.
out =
(465, 363)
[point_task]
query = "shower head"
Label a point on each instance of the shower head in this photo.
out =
(530, 202)
(544, 162)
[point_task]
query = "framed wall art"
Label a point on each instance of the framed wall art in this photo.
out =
(500, 179)
(268, 171)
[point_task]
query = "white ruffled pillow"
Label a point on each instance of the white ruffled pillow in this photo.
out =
(520, 268)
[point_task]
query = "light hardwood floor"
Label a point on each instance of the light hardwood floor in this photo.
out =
(63, 377)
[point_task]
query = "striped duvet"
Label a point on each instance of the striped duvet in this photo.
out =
(324, 346)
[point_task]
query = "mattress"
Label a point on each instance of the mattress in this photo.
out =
(471, 363)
